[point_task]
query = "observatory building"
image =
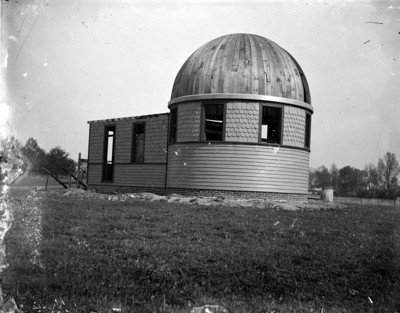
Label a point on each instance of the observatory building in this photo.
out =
(239, 125)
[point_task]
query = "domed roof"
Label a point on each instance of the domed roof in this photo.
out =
(242, 64)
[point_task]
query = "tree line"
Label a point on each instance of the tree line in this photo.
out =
(375, 181)
(32, 158)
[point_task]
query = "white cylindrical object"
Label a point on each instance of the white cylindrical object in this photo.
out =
(327, 194)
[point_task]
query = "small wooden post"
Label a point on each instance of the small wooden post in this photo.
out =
(69, 177)
(78, 172)
(361, 201)
(47, 182)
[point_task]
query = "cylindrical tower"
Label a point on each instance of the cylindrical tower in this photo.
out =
(240, 121)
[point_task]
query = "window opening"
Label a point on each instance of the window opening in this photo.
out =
(308, 131)
(213, 122)
(138, 143)
(271, 124)
(173, 125)
(108, 164)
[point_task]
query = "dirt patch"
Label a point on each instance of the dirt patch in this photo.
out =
(206, 201)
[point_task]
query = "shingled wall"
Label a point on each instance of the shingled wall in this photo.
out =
(242, 120)
(156, 139)
(294, 126)
(123, 141)
(189, 122)
(156, 133)
(96, 142)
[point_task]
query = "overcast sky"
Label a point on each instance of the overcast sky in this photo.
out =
(66, 62)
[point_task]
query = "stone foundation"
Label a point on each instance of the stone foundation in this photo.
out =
(127, 189)
(248, 195)
(233, 194)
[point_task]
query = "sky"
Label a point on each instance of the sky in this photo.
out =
(66, 62)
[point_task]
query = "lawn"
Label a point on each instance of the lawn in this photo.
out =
(81, 255)
(39, 181)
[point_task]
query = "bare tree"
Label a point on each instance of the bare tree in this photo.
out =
(334, 171)
(370, 175)
(388, 168)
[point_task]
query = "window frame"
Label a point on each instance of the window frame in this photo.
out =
(133, 142)
(105, 168)
(273, 105)
(307, 131)
(173, 128)
(202, 136)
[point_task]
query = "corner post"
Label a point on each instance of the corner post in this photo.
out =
(78, 171)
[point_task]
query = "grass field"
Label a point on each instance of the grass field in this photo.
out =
(38, 181)
(80, 255)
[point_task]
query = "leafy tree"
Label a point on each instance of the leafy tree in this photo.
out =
(335, 178)
(34, 155)
(311, 178)
(387, 170)
(322, 177)
(350, 180)
(13, 162)
(57, 159)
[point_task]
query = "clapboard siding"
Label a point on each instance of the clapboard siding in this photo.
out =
(94, 173)
(238, 167)
(146, 175)
(151, 175)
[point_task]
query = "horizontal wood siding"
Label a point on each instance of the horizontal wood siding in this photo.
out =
(238, 167)
(94, 173)
(147, 175)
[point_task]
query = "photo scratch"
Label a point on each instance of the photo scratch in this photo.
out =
(26, 39)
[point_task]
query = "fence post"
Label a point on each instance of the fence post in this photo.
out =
(78, 171)
(361, 201)
(69, 176)
(47, 182)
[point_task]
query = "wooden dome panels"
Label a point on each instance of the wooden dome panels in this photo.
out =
(242, 64)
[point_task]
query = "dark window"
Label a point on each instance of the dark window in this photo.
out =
(271, 124)
(138, 143)
(108, 157)
(213, 122)
(308, 131)
(173, 125)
